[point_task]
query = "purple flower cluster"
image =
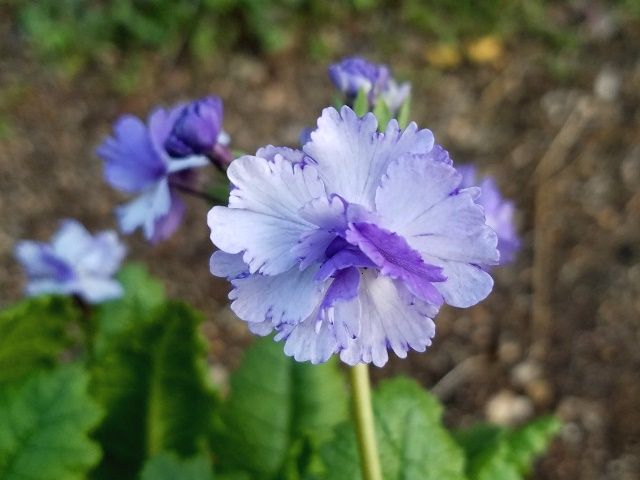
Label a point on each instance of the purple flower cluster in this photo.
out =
(351, 245)
(354, 74)
(73, 262)
(498, 212)
(158, 159)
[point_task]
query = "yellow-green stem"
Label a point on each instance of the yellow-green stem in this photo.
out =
(365, 427)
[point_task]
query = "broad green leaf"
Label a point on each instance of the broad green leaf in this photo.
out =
(495, 453)
(275, 403)
(45, 423)
(404, 113)
(152, 382)
(142, 294)
(412, 441)
(361, 103)
(383, 114)
(167, 466)
(33, 334)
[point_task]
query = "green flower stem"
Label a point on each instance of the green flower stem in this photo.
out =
(365, 427)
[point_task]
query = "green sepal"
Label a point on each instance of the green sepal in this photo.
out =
(404, 113)
(361, 103)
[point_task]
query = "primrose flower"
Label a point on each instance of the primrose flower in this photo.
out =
(73, 262)
(354, 74)
(498, 212)
(157, 160)
(351, 244)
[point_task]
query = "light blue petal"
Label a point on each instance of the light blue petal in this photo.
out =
(145, 210)
(97, 289)
(352, 157)
(226, 265)
(263, 218)
(389, 320)
(286, 298)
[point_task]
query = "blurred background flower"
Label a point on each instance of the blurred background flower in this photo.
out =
(74, 262)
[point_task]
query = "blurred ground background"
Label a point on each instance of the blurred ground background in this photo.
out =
(544, 95)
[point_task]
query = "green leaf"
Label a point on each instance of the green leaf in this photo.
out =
(412, 442)
(45, 425)
(275, 403)
(361, 103)
(383, 114)
(33, 334)
(142, 294)
(167, 466)
(152, 382)
(404, 113)
(495, 453)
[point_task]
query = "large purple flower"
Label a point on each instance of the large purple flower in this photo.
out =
(354, 74)
(73, 262)
(498, 211)
(351, 245)
(156, 160)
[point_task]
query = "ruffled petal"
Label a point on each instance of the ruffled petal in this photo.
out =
(131, 161)
(411, 186)
(263, 218)
(305, 342)
(455, 229)
(270, 152)
(223, 264)
(352, 156)
(466, 284)
(388, 321)
(286, 298)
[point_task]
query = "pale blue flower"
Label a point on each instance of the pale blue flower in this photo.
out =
(351, 244)
(73, 262)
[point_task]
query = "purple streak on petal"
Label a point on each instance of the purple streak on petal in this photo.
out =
(397, 260)
(345, 258)
(344, 287)
(40, 261)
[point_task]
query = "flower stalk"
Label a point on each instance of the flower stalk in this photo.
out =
(365, 427)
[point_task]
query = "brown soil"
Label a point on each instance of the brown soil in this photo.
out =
(561, 331)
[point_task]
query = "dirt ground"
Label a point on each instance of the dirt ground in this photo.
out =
(561, 331)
